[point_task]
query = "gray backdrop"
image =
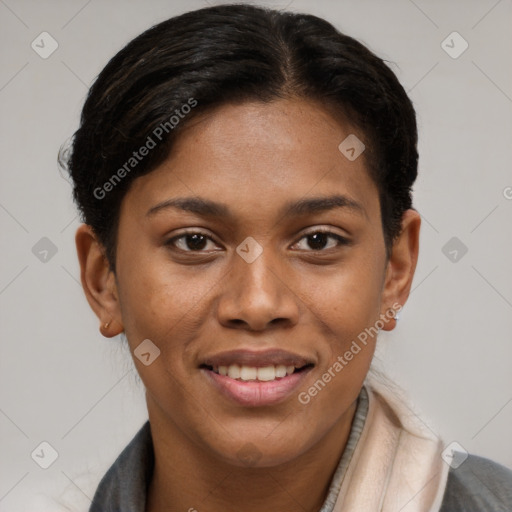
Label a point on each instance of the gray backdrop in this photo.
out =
(62, 383)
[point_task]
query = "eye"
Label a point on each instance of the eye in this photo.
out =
(318, 240)
(193, 241)
(196, 241)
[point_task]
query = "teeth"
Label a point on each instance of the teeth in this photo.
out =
(267, 373)
(248, 373)
(234, 371)
(281, 371)
(245, 373)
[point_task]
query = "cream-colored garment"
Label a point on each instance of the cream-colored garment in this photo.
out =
(396, 465)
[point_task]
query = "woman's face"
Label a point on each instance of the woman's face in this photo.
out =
(253, 287)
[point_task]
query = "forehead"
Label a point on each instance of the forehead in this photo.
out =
(251, 155)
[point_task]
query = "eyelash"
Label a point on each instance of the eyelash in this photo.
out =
(342, 241)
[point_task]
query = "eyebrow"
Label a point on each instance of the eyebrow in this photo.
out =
(208, 208)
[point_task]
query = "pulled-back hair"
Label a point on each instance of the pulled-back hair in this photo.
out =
(197, 61)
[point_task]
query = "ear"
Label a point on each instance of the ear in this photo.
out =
(401, 267)
(98, 281)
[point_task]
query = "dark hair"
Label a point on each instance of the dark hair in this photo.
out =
(202, 59)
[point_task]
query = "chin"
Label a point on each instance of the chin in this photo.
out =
(259, 451)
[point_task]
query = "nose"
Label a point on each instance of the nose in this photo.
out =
(257, 296)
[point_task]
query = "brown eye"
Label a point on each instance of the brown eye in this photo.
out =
(190, 242)
(319, 240)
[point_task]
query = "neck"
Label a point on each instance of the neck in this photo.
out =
(185, 478)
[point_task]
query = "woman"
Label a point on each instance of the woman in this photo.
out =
(244, 177)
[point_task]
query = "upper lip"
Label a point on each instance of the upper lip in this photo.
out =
(258, 359)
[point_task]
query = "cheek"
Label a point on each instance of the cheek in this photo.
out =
(346, 306)
(169, 306)
(156, 294)
(345, 300)
(162, 307)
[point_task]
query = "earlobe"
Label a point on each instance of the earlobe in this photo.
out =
(401, 266)
(98, 281)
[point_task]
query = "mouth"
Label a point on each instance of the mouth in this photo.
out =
(246, 373)
(255, 379)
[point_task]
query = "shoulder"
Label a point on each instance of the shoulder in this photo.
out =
(478, 484)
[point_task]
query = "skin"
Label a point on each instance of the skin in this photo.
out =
(254, 158)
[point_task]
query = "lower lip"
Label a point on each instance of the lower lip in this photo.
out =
(256, 393)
